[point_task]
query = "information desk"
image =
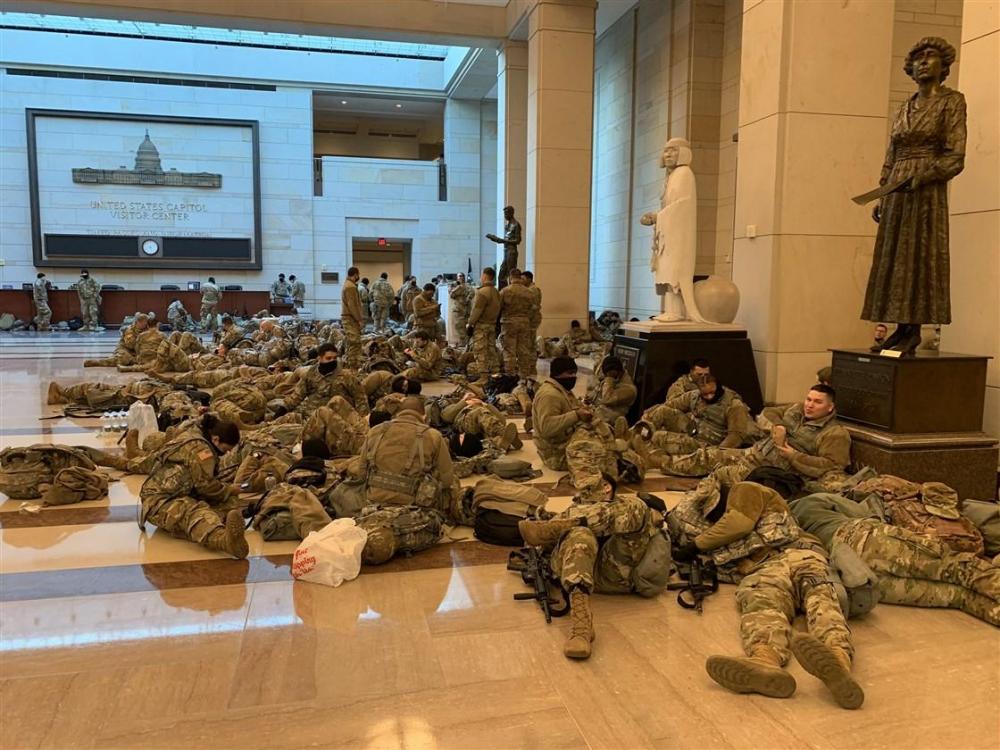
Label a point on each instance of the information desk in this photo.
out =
(116, 305)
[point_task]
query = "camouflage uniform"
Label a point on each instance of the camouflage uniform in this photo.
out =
(406, 296)
(688, 422)
(382, 296)
(516, 311)
(483, 319)
(396, 529)
(239, 402)
(280, 289)
(601, 555)
(461, 296)
(377, 384)
(231, 336)
(565, 443)
(684, 384)
(366, 300)
(425, 362)
(313, 390)
(338, 426)
(534, 321)
(182, 495)
(40, 293)
(89, 291)
(475, 419)
(211, 296)
(352, 320)
(298, 293)
(757, 544)
(408, 472)
(426, 314)
(822, 451)
(612, 397)
(920, 571)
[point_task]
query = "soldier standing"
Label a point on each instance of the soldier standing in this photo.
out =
(510, 240)
(516, 304)
(89, 291)
(40, 292)
(298, 293)
(382, 297)
(177, 316)
(461, 296)
(211, 296)
(280, 289)
(351, 318)
(366, 300)
(482, 328)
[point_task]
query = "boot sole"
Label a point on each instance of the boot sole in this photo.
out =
(818, 661)
(236, 531)
(740, 677)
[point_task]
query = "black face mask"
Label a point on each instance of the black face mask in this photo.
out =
(84, 276)
(567, 381)
(325, 368)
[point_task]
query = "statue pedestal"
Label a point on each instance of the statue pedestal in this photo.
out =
(656, 354)
(919, 417)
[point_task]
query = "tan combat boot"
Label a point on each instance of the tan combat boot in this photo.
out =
(230, 538)
(760, 673)
(55, 395)
(831, 665)
(509, 436)
(581, 634)
(545, 533)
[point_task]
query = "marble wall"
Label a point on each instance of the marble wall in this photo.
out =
(666, 69)
(975, 204)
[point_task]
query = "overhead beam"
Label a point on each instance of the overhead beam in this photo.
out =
(428, 21)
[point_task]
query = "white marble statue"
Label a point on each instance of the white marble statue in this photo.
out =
(675, 238)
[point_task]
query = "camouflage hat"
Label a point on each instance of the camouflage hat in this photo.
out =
(940, 499)
(888, 487)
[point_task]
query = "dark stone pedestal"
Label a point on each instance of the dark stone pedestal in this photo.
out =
(966, 461)
(920, 418)
(656, 354)
(931, 392)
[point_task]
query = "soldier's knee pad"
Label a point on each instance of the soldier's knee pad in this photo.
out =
(380, 547)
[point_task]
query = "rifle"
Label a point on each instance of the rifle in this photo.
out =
(702, 581)
(535, 571)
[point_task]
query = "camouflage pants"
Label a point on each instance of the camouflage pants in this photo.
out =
(920, 571)
(169, 358)
(461, 323)
(203, 378)
(187, 518)
(341, 435)
(601, 555)
(90, 313)
(674, 443)
(589, 454)
(96, 395)
(209, 321)
(179, 322)
(380, 314)
(730, 465)
(398, 529)
(768, 598)
(352, 344)
(419, 374)
(481, 420)
(518, 347)
(484, 350)
(663, 417)
(44, 316)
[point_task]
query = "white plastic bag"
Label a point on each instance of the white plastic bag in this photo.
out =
(142, 418)
(331, 555)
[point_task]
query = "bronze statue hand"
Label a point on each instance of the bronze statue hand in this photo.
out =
(877, 212)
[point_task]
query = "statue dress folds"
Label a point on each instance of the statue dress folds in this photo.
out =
(909, 279)
(676, 237)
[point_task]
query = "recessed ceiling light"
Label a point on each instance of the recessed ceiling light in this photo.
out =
(343, 101)
(399, 106)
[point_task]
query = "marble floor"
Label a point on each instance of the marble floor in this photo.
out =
(115, 638)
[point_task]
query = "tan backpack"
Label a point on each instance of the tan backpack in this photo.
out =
(23, 471)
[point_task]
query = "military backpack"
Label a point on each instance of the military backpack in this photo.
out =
(24, 471)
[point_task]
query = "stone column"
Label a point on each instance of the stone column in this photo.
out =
(812, 129)
(556, 220)
(975, 204)
(512, 128)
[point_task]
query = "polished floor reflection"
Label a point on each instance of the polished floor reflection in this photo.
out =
(112, 638)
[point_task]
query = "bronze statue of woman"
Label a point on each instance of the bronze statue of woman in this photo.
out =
(909, 280)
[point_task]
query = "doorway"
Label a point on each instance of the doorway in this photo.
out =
(375, 255)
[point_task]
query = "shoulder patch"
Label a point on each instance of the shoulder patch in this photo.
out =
(205, 455)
